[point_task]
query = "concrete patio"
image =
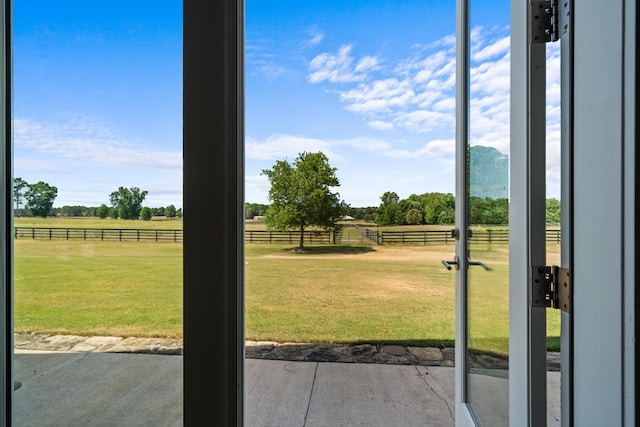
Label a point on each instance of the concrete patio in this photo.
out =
(107, 389)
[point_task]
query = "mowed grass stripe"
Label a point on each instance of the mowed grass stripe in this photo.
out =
(398, 294)
(386, 295)
(98, 288)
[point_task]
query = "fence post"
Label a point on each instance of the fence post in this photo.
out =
(424, 235)
(489, 230)
(102, 234)
(50, 234)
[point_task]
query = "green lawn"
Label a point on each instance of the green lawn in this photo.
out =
(375, 294)
(98, 288)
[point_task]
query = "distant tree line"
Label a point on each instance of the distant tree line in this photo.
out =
(252, 210)
(439, 208)
(428, 208)
(126, 203)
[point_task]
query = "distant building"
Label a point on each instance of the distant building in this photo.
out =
(348, 218)
(258, 217)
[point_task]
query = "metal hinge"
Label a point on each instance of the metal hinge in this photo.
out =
(548, 20)
(551, 287)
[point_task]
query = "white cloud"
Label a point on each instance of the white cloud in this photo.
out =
(440, 148)
(83, 138)
(338, 68)
(260, 61)
(425, 120)
(417, 94)
(367, 63)
(278, 147)
(257, 182)
(379, 96)
(269, 69)
(495, 49)
(380, 125)
(315, 37)
(282, 146)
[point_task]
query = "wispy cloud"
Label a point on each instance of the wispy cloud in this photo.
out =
(339, 67)
(278, 147)
(86, 139)
(418, 93)
(315, 37)
(262, 61)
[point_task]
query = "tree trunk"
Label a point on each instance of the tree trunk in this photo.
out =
(301, 246)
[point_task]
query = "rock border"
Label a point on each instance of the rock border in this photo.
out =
(268, 350)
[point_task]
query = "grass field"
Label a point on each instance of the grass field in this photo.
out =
(375, 294)
(98, 288)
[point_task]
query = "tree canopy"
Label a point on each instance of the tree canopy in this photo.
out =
(40, 197)
(301, 194)
(128, 202)
(19, 185)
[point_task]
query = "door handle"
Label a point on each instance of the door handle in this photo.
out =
(448, 264)
(480, 263)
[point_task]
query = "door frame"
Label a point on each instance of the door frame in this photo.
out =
(527, 219)
(527, 223)
(463, 413)
(6, 217)
(213, 299)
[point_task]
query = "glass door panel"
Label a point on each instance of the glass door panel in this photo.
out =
(487, 191)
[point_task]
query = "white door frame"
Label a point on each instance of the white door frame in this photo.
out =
(463, 413)
(527, 223)
(527, 227)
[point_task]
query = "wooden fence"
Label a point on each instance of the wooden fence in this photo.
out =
(424, 237)
(366, 236)
(260, 236)
(119, 234)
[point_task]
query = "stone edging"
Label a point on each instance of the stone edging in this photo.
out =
(348, 353)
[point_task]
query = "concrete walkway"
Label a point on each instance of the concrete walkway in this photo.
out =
(108, 389)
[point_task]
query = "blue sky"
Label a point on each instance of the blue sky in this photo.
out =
(97, 96)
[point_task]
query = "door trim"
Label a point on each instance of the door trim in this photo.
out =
(527, 223)
(463, 413)
(6, 218)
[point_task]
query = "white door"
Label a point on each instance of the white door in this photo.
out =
(500, 334)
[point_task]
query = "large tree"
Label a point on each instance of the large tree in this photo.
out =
(19, 185)
(128, 201)
(40, 197)
(389, 212)
(301, 194)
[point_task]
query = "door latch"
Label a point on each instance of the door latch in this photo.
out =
(550, 287)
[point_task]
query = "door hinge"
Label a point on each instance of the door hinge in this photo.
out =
(551, 287)
(548, 20)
